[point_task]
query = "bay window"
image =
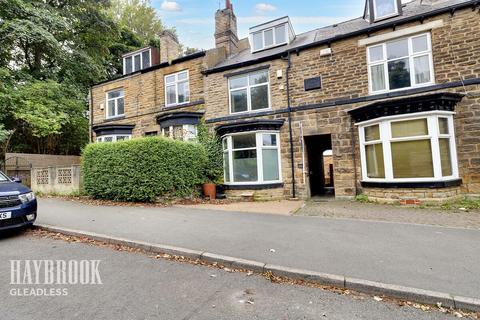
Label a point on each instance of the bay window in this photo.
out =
(401, 63)
(185, 132)
(113, 138)
(115, 104)
(177, 88)
(252, 158)
(249, 92)
(409, 148)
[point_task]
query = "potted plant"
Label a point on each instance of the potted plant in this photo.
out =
(214, 165)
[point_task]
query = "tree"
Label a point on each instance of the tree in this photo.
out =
(138, 16)
(52, 51)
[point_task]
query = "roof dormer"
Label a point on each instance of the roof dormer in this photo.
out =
(271, 34)
(376, 10)
(140, 59)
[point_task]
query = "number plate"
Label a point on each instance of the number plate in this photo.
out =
(5, 215)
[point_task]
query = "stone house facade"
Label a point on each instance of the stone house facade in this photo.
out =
(393, 96)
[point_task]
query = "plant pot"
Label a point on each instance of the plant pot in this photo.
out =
(209, 190)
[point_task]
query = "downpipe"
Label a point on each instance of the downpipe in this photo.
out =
(290, 131)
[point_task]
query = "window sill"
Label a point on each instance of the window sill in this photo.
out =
(253, 186)
(422, 184)
(418, 86)
(114, 118)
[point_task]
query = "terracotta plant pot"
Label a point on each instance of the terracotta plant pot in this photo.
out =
(210, 190)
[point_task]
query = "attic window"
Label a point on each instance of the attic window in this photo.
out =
(385, 9)
(137, 60)
(270, 37)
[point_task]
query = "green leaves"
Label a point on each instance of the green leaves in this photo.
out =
(44, 106)
(143, 169)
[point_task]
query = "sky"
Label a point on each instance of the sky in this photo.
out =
(195, 19)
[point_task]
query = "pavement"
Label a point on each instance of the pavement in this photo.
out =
(373, 211)
(135, 286)
(426, 257)
(282, 207)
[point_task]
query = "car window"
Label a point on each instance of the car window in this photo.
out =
(3, 178)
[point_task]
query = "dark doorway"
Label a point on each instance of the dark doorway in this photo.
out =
(320, 164)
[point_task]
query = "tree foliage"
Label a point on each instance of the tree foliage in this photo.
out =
(51, 52)
(138, 16)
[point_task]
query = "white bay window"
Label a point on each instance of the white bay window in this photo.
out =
(400, 64)
(185, 132)
(409, 148)
(252, 158)
(113, 138)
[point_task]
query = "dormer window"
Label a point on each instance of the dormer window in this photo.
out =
(138, 60)
(376, 10)
(271, 34)
(385, 8)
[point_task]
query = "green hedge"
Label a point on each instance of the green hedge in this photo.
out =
(143, 169)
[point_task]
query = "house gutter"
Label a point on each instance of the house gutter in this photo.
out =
(289, 110)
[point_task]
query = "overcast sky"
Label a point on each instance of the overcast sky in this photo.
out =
(195, 19)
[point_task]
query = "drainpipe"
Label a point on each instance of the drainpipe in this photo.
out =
(287, 74)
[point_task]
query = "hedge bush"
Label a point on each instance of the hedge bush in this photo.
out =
(143, 169)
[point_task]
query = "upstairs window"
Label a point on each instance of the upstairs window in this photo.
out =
(137, 61)
(177, 88)
(400, 64)
(115, 104)
(385, 8)
(249, 92)
(270, 37)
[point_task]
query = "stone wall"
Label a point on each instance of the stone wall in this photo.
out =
(145, 96)
(413, 196)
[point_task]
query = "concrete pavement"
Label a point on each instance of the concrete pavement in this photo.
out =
(138, 287)
(426, 257)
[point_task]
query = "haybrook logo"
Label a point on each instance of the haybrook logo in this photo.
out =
(36, 275)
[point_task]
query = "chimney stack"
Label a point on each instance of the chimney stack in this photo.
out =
(169, 46)
(226, 29)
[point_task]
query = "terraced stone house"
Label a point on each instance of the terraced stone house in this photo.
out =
(387, 104)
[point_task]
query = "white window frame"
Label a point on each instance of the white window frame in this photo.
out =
(377, 18)
(433, 135)
(114, 137)
(411, 56)
(116, 114)
(188, 135)
(258, 147)
(133, 61)
(274, 44)
(175, 83)
(249, 96)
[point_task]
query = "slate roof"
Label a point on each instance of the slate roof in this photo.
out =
(416, 8)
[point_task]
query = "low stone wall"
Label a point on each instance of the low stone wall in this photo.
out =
(257, 195)
(56, 180)
(413, 195)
